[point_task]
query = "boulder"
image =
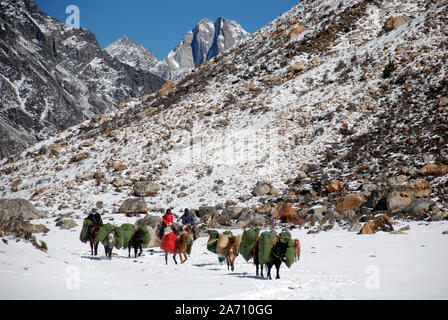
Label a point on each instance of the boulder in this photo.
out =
(317, 212)
(150, 220)
(394, 22)
(434, 170)
(133, 206)
(206, 212)
(335, 186)
(284, 212)
(233, 211)
(166, 87)
(350, 201)
(418, 206)
(380, 223)
(20, 228)
(66, 224)
(120, 167)
(18, 208)
(295, 32)
(297, 67)
(146, 189)
(402, 196)
(262, 188)
(79, 157)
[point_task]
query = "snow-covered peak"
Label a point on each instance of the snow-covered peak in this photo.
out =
(132, 53)
(205, 41)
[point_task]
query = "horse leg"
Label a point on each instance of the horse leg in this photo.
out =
(185, 256)
(96, 248)
(141, 250)
(277, 266)
(129, 251)
(166, 257)
(269, 266)
(174, 257)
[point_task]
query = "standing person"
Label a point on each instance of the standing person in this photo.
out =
(188, 219)
(167, 220)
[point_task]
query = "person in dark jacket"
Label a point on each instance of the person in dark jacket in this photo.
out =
(188, 219)
(95, 217)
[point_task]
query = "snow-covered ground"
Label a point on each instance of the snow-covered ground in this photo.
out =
(334, 265)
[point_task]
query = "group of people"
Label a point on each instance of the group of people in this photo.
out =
(167, 220)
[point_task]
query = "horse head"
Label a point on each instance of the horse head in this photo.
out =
(279, 250)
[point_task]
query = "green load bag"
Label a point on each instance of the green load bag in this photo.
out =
(248, 242)
(128, 231)
(290, 255)
(212, 242)
(83, 235)
(229, 233)
(146, 235)
(103, 231)
(285, 237)
(265, 245)
(119, 238)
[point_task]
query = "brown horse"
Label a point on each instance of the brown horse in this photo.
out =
(93, 242)
(181, 247)
(231, 252)
(296, 249)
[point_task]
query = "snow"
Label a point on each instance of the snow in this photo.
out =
(333, 265)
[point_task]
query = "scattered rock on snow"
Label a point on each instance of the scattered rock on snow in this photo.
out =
(146, 189)
(380, 223)
(133, 206)
(402, 196)
(66, 224)
(18, 208)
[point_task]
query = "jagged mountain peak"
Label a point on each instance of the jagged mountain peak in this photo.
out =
(205, 41)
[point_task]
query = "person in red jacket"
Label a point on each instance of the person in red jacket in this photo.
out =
(167, 220)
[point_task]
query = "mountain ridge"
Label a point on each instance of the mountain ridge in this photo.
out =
(54, 76)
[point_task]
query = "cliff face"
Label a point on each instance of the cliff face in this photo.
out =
(53, 76)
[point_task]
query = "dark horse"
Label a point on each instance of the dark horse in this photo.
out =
(278, 256)
(93, 242)
(136, 242)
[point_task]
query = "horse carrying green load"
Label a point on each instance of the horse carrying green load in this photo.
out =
(212, 242)
(248, 242)
(265, 245)
(128, 231)
(83, 236)
(285, 238)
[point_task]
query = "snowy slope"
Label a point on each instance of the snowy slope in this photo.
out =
(334, 265)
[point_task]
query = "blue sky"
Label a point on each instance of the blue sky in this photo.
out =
(160, 25)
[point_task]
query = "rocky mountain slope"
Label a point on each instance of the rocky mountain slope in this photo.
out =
(205, 41)
(335, 111)
(133, 54)
(53, 76)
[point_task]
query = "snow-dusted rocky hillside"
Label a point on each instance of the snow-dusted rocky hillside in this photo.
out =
(336, 110)
(53, 76)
